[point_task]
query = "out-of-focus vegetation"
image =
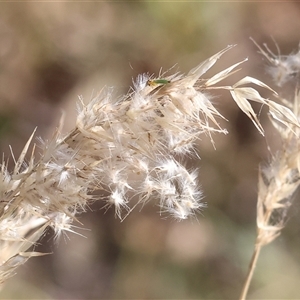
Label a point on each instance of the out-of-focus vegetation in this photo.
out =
(52, 52)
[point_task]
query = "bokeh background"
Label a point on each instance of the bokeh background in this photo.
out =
(52, 52)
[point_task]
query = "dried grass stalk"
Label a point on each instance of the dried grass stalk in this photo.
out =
(278, 180)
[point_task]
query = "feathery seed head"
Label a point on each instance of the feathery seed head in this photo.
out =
(279, 180)
(127, 147)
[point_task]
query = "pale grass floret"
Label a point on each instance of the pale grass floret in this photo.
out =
(118, 200)
(61, 224)
(126, 147)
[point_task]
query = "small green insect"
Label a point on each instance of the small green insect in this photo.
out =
(155, 82)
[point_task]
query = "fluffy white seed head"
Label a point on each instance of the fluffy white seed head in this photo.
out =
(123, 151)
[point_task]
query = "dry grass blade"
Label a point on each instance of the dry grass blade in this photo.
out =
(242, 102)
(223, 74)
(202, 68)
(283, 114)
(249, 80)
(23, 153)
(14, 251)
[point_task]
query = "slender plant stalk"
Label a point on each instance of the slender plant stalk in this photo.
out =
(252, 266)
(259, 243)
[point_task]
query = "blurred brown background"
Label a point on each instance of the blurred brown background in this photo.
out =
(52, 52)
